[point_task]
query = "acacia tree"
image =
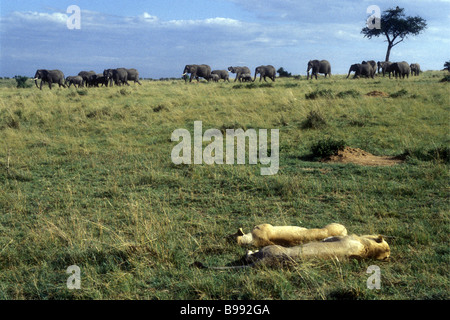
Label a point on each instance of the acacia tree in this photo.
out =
(396, 27)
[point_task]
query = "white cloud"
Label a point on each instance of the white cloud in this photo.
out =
(161, 47)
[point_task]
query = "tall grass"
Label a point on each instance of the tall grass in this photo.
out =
(87, 179)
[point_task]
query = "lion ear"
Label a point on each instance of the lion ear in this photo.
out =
(379, 239)
(240, 232)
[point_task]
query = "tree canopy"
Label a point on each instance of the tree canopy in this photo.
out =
(396, 27)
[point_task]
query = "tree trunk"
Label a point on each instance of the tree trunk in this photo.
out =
(388, 53)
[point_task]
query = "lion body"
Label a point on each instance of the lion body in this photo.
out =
(341, 247)
(265, 235)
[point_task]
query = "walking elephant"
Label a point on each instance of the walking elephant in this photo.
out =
(223, 75)
(316, 66)
(384, 66)
(86, 75)
(239, 71)
(49, 76)
(214, 77)
(120, 76)
(75, 80)
(265, 71)
(361, 69)
(96, 79)
(245, 77)
(373, 66)
(108, 74)
(415, 69)
(133, 75)
(400, 69)
(197, 71)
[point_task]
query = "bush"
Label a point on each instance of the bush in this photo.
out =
(314, 120)
(327, 147)
(399, 93)
(349, 93)
(22, 82)
(441, 153)
(446, 78)
(325, 93)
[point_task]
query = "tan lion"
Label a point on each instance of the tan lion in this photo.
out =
(265, 235)
(342, 247)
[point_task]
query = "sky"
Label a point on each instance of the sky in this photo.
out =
(159, 37)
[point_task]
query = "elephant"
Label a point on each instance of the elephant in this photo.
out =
(384, 66)
(245, 77)
(214, 77)
(133, 75)
(49, 76)
(265, 71)
(223, 74)
(197, 71)
(400, 69)
(415, 69)
(373, 65)
(239, 72)
(96, 79)
(108, 74)
(317, 66)
(120, 76)
(86, 76)
(361, 69)
(75, 80)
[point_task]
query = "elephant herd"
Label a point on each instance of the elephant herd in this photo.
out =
(398, 69)
(119, 76)
(243, 74)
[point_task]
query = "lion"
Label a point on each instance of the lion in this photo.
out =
(339, 247)
(265, 235)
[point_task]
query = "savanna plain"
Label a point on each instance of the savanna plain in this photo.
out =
(87, 179)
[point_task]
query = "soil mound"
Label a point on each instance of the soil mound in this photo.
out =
(361, 157)
(377, 94)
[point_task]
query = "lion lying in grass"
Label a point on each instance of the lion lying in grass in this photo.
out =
(265, 235)
(341, 247)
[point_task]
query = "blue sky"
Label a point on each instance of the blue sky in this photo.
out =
(159, 37)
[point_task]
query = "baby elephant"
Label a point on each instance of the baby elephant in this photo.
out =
(75, 80)
(245, 77)
(214, 77)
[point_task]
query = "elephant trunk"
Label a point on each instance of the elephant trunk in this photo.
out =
(256, 72)
(35, 82)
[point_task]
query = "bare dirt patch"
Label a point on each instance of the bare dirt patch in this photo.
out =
(377, 94)
(361, 157)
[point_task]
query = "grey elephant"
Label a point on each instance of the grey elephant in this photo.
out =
(133, 75)
(415, 69)
(86, 76)
(373, 65)
(108, 74)
(384, 66)
(361, 69)
(120, 76)
(49, 76)
(316, 66)
(197, 71)
(214, 77)
(239, 71)
(96, 79)
(245, 77)
(75, 80)
(265, 71)
(400, 69)
(223, 74)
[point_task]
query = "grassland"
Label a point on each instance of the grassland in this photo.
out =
(86, 179)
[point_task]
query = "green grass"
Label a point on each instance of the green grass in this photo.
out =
(86, 178)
